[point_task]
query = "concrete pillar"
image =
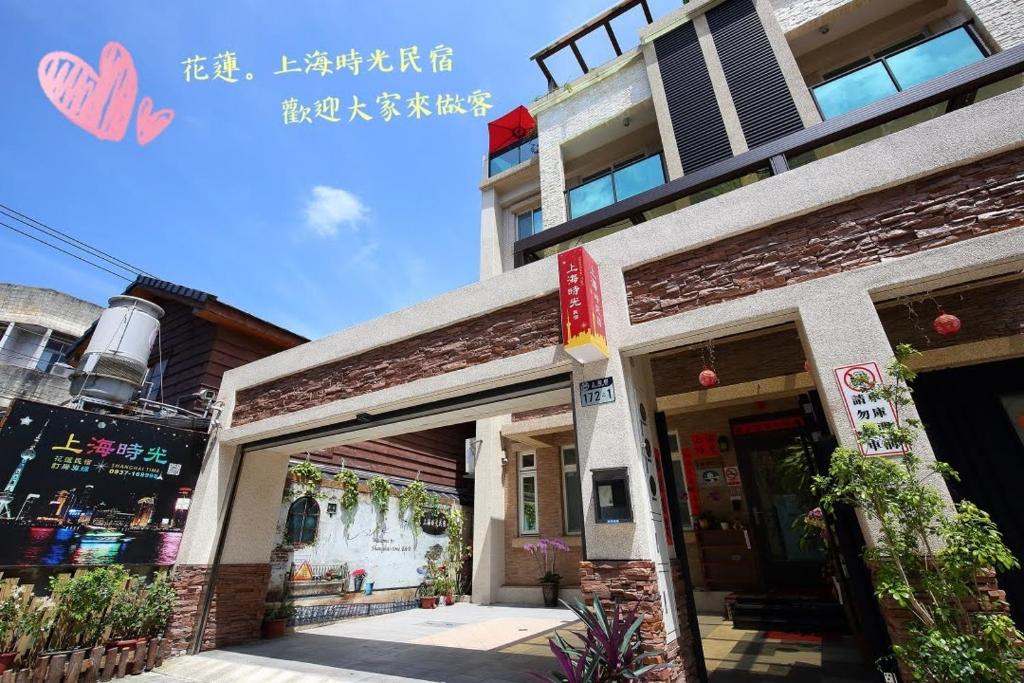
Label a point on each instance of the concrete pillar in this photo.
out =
(731, 119)
(628, 561)
(490, 235)
(673, 164)
(787, 62)
(844, 329)
(489, 511)
(234, 588)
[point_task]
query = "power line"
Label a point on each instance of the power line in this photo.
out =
(65, 251)
(69, 239)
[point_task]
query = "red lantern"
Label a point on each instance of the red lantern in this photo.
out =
(707, 378)
(946, 324)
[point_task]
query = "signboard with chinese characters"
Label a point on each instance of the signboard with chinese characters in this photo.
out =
(855, 384)
(85, 488)
(579, 291)
(597, 391)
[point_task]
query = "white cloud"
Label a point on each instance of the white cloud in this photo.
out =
(332, 207)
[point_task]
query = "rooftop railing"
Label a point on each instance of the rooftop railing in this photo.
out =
(955, 90)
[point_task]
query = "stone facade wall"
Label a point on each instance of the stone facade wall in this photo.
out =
(520, 566)
(506, 332)
(986, 312)
(793, 14)
(1003, 20)
(977, 199)
(633, 584)
(236, 611)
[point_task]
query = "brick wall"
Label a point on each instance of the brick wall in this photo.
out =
(236, 611)
(520, 566)
(973, 200)
(499, 334)
(986, 312)
(633, 584)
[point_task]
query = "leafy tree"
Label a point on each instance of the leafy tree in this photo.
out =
(929, 554)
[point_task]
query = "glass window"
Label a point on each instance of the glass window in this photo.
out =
(529, 223)
(571, 493)
(303, 519)
(513, 156)
(638, 177)
(527, 494)
(854, 90)
(936, 57)
(53, 352)
(591, 196)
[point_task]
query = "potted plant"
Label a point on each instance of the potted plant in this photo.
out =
(10, 614)
(275, 621)
(428, 596)
(158, 607)
(124, 618)
(445, 586)
(545, 552)
(358, 576)
(80, 606)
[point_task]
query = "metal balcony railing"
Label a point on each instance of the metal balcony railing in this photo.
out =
(952, 91)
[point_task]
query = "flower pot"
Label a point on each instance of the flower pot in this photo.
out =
(449, 599)
(357, 583)
(428, 602)
(550, 589)
(7, 660)
(274, 628)
(725, 526)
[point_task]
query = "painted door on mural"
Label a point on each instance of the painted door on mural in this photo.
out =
(777, 467)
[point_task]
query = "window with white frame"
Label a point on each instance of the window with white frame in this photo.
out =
(528, 493)
(572, 496)
(677, 470)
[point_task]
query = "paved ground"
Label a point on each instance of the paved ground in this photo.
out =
(468, 643)
(462, 643)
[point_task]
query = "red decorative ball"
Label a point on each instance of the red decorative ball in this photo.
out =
(946, 324)
(707, 378)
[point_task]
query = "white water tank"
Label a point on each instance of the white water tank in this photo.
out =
(115, 363)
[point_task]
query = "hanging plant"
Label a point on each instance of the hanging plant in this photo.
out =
(415, 499)
(307, 477)
(350, 491)
(455, 553)
(380, 494)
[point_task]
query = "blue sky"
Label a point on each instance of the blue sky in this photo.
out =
(313, 227)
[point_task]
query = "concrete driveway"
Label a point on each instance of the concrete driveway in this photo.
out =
(462, 643)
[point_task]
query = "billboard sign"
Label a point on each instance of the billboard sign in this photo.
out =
(83, 488)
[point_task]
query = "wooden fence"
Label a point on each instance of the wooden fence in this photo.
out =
(91, 665)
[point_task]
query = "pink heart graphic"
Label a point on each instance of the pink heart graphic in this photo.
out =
(100, 104)
(148, 125)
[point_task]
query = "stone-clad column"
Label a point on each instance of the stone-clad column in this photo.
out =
(237, 595)
(628, 562)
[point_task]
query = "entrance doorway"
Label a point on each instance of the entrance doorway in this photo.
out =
(770, 599)
(776, 463)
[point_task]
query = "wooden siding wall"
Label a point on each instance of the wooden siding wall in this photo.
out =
(437, 456)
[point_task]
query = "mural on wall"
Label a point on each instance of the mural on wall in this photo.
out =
(89, 489)
(388, 548)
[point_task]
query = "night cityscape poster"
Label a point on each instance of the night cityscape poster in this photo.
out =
(83, 488)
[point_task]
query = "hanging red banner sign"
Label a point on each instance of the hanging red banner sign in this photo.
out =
(579, 290)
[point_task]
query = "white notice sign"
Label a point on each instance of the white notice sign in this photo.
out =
(856, 383)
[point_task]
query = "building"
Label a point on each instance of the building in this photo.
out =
(37, 326)
(774, 194)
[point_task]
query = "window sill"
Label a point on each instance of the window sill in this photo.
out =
(575, 541)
